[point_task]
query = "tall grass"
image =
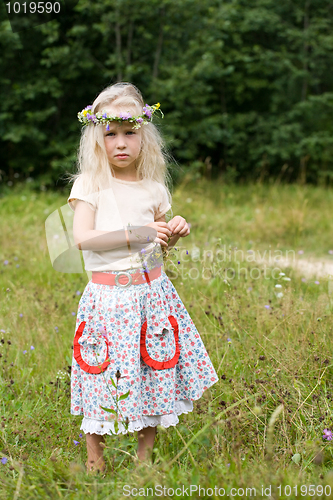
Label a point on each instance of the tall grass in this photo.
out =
(260, 426)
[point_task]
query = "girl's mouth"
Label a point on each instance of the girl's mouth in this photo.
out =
(122, 156)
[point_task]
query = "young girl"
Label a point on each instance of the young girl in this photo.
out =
(138, 359)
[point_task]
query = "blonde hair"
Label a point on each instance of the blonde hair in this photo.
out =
(92, 164)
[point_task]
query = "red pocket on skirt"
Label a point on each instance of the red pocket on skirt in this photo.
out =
(155, 364)
(77, 354)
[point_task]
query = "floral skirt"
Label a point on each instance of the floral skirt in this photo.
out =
(138, 357)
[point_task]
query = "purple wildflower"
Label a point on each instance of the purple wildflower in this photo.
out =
(328, 435)
(108, 127)
(139, 120)
(24, 352)
(250, 288)
(303, 279)
(32, 348)
(179, 262)
(6, 262)
(268, 307)
(80, 435)
(56, 328)
(229, 340)
(317, 282)
(125, 116)
(147, 111)
(105, 115)
(330, 252)
(4, 460)
(75, 442)
(78, 292)
(21, 315)
(300, 252)
(186, 252)
(73, 313)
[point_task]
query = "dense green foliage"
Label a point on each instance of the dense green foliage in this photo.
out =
(246, 87)
(262, 423)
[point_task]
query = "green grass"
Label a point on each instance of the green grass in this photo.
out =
(281, 355)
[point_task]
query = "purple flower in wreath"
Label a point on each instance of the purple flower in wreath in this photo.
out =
(105, 115)
(125, 116)
(108, 127)
(139, 120)
(147, 111)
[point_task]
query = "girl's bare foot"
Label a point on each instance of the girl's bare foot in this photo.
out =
(146, 438)
(95, 460)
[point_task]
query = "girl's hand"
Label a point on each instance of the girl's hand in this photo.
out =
(163, 232)
(178, 225)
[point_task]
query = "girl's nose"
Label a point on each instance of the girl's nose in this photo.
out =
(121, 142)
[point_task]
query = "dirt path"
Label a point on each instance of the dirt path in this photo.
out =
(307, 267)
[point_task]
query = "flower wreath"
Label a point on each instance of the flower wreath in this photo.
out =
(86, 117)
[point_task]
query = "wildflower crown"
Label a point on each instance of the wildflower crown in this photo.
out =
(86, 117)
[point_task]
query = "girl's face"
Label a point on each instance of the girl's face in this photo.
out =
(122, 144)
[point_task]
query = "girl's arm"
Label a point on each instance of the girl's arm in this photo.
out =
(88, 238)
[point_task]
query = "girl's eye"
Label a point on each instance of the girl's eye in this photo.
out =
(112, 133)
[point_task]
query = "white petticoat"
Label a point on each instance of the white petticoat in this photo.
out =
(93, 426)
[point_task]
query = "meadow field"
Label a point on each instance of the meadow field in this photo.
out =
(264, 430)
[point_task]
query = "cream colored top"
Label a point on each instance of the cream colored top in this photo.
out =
(125, 203)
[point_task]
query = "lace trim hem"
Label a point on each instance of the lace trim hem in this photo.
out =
(100, 427)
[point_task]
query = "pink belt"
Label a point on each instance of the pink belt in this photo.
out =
(124, 279)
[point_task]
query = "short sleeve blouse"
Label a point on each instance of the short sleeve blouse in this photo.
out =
(125, 203)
